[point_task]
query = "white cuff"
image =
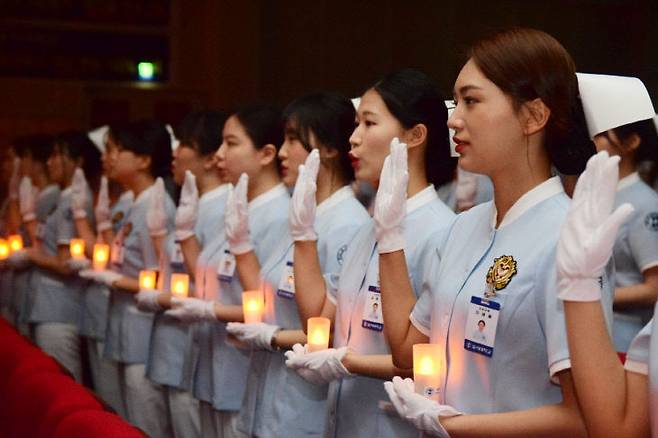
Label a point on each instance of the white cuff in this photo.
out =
(103, 226)
(558, 366)
(183, 235)
(636, 367)
(240, 248)
(579, 289)
(79, 214)
(390, 242)
(421, 328)
(29, 217)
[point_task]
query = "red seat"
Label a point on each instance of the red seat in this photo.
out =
(95, 424)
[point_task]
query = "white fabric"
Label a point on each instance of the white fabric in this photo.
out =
(188, 207)
(541, 192)
(184, 414)
(628, 181)
(105, 277)
(27, 199)
(18, 259)
(102, 211)
(156, 218)
(147, 300)
(236, 218)
(219, 424)
(303, 204)
(318, 367)
(356, 101)
(256, 335)
(588, 234)
(146, 404)
(98, 137)
(78, 264)
(418, 410)
(191, 309)
(61, 341)
(450, 105)
(466, 189)
(79, 190)
(105, 376)
(613, 101)
(390, 202)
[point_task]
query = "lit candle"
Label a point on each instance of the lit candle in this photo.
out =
(101, 256)
(427, 378)
(147, 279)
(179, 285)
(4, 249)
(252, 306)
(318, 333)
(77, 248)
(15, 242)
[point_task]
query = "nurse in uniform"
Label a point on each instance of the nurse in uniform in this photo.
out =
(621, 120)
(404, 105)
(199, 215)
(258, 208)
(515, 118)
(144, 153)
(278, 402)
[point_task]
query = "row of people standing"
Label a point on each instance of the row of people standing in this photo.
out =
(412, 273)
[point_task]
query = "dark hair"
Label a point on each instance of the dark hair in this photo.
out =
(77, 145)
(527, 64)
(646, 130)
(40, 147)
(263, 125)
(201, 130)
(412, 98)
(149, 138)
(330, 118)
(482, 321)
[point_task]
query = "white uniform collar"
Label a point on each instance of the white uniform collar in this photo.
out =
(67, 191)
(46, 190)
(425, 196)
(263, 198)
(628, 180)
(145, 195)
(126, 196)
(214, 193)
(537, 194)
(336, 197)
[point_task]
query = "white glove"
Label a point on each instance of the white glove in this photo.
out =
(78, 264)
(391, 200)
(147, 300)
(589, 231)
(423, 413)
(107, 278)
(15, 179)
(258, 335)
(319, 367)
(303, 204)
(467, 185)
(18, 259)
(186, 213)
(156, 218)
(191, 309)
(102, 210)
(236, 218)
(27, 199)
(79, 190)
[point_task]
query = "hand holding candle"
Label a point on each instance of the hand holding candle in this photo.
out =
(15, 242)
(101, 256)
(180, 285)
(253, 305)
(147, 279)
(318, 334)
(4, 249)
(77, 249)
(427, 377)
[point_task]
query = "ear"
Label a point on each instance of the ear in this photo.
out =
(143, 162)
(267, 155)
(328, 153)
(535, 116)
(630, 144)
(209, 162)
(415, 136)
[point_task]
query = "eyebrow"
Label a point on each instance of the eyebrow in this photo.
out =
(368, 113)
(465, 89)
(231, 136)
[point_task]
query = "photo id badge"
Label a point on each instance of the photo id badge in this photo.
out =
(287, 282)
(481, 324)
(226, 267)
(117, 251)
(176, 261)
(372, 310)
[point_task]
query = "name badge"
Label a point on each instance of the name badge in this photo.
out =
(226, 267)
(287, 282)
(372, 310)
(481, 325)
(117, 251)
(177, 261)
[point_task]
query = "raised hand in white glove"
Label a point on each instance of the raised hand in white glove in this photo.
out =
(147, 300)
(466, 189)
(15, 179)
(78, 264)
(107, 278)
(27, 199)
(589, 231)
(319, 367)
(236, 218)
(191, 309)
(156, 219)
(186, 213)
(391, 200)
(102, 210)
(257, 335)
(18, 259)
(423, 413)
(303, 204)
(79, 198)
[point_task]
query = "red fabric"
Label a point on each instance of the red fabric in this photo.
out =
(95, 424)
(622, 357)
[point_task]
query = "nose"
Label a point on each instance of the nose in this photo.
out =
(455, 120)
(219, 155)
(283, 151)
(355, 138)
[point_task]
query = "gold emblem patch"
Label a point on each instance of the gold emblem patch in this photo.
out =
(500, 274)
(118, 216)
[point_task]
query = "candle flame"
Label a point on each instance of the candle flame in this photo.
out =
(426, 366)
(317, 337)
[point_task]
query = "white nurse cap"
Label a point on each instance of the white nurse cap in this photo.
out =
(174, 140)
(613, 101)
(98, 137)
(450, 104)
(356, 101)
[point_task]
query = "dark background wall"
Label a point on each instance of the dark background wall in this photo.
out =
(223, 53)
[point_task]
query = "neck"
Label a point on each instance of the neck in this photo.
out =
(328, 183)
(417, 175)
(140, 182)
(40, 181)
(626, 167)
(261, 183)
(207, 182)
(509, 186)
